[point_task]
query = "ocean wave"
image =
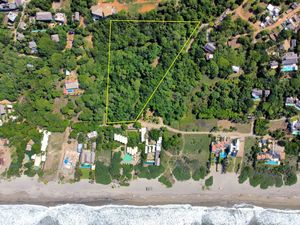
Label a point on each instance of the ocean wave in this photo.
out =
(70, 214)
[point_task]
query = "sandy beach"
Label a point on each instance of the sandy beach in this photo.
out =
(226, 191)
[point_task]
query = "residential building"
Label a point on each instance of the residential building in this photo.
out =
(210, 47)
(236, 69)
(270, 152)
(87, 157)
(120, 138)
(224, 147)
(2, 110)
(153, 152)
(293, 44)
(101, 11)
(60, 18)
(20, 36)
(79, 148)
(295, 127)
(5, 7)
(257, 94)
(289, 62)
(44, 142)
(143, 131)
(55, 37)
(76, 17)
(71, 87)
(44, 16)
(33, 47)
(12, 16)
(29, 145)
(273, 64)
(132, 151)
(92, 134)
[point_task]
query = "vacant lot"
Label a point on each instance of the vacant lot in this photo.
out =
(197, 146)
(54, 156)
(190, 124)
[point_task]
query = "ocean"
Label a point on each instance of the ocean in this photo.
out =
(71, 214)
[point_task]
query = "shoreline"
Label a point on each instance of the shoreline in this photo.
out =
(226, 192)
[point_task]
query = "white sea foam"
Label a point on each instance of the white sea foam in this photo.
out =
(136, 215)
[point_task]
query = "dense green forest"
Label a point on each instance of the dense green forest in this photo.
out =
(195, 86)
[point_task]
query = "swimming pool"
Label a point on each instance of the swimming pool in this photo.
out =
(85, 166)
(127, 158)
(289, 68)
(270, 162)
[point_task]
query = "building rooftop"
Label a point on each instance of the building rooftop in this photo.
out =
(44, 16)
(55, 37)
(72, 84)
(210, 47)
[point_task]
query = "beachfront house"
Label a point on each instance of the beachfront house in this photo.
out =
(153, 152)
(87, 159)
(102, 11)
(43, 16)
(270, 152)
(289, 62)
(224, 147)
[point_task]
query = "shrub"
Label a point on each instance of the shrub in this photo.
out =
(209, 181)
(164, 180)
(102, 174)
(182, 172)
(199, 173)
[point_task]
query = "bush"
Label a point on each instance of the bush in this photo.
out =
(278, 181)
(164, 180)
(182, 172)
(290, 179)
(199, 173)
(245, 173)
(102, 174)
(209, 181)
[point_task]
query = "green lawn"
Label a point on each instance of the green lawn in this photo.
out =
(85, 173)
(196, 146)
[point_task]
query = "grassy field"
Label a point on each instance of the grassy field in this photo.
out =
(189, 123)
(54, 155)
(197, 146)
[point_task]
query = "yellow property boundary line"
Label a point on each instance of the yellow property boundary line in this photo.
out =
(162, 79)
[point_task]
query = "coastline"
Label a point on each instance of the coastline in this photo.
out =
(225, 192)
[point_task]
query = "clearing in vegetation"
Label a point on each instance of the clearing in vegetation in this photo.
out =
(134, 46)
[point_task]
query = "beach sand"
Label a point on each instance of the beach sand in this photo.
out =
(226, 191)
